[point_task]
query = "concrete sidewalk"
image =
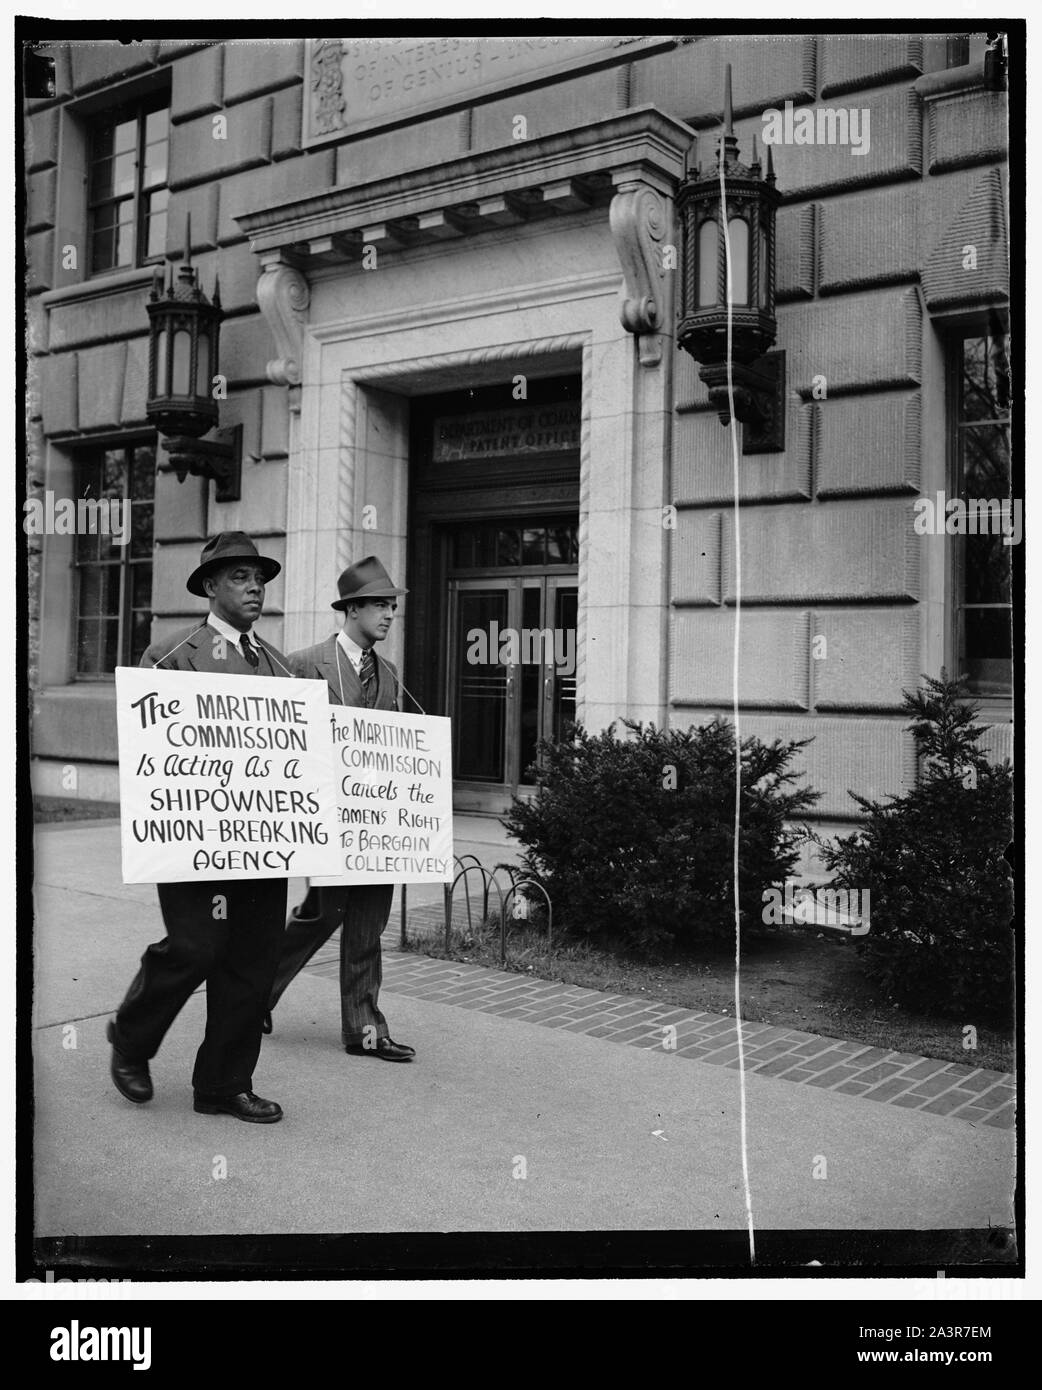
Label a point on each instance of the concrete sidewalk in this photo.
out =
(513, 1076)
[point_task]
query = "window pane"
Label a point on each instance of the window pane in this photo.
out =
(88, 547)
(155, 236)
(987, 651)
(508, 547)
(532, 673)
(485, 546)
(481, 688)
(463, 550)
(157, 125)
(103, 143)
(99, 591)
(534, 546)
(125, 235)
(125, 137)
(89, 475)
(141, 529)
(143, 478)
(155, 165)
(114, 472)
(101, 180)
(985, 379)
(97, 645)
(103, 248)
(141, 585)
(987, 570)
(105, 217)
(985, 461)
(565, 620)
(91, 592)
(88, 647)
(110, 644)
(123, 171)
(562, 545)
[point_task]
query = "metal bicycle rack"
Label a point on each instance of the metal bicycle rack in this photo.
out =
(489, 880)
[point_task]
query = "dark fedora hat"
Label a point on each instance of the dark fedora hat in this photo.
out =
(366, 579)
(225, 549)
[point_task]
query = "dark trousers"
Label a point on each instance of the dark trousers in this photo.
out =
(236, 954)
(362, 910)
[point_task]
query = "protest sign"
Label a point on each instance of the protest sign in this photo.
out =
(394, 776)
(222, 777)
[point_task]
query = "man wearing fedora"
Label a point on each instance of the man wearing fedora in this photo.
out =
(234, 947)
(355, 675)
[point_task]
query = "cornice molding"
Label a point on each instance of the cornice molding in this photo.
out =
(641, 142)
(633, 160)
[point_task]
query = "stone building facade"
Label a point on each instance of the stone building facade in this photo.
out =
(450, 341)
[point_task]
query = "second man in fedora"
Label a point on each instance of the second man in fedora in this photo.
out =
(355, 675)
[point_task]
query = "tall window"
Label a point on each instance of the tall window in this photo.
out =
(127, 190)
(982, 470)
(114, 599)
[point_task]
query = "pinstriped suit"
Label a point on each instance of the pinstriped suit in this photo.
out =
(362, 909)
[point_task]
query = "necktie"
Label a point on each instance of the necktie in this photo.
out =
(248, 651)
(367, 675)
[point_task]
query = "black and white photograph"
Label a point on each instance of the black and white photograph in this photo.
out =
(608, 449)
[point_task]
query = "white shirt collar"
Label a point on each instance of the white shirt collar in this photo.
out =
(229, 633)
(351, 650)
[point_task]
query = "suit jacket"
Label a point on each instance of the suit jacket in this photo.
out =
(194, 649)
(319, 663)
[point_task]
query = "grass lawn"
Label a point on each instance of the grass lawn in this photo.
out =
(790, 977)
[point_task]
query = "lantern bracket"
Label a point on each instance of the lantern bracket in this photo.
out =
(219, 458)
(759, 400)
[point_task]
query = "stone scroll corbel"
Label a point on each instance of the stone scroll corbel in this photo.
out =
(639, 220)
(283, 296)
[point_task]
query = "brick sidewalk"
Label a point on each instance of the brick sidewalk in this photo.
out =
(856, 1069)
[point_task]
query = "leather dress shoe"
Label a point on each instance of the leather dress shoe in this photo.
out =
(244, 1106)
(131, 1079)
(266, 1024)
(386, 1049)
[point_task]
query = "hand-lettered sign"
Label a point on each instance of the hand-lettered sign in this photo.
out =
(394, 779)
(223, 777)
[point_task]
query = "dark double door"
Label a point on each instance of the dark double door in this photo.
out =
(511, 678)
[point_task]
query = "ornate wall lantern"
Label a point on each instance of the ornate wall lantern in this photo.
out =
(184, 336)
(748, 202)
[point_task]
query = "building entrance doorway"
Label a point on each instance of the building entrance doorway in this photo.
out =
(493, 578)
